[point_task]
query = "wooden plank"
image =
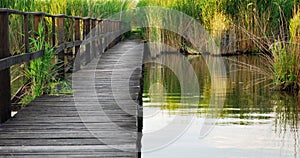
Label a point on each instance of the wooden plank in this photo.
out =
(5, 90)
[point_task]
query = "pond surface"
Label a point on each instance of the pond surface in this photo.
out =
(251, 121)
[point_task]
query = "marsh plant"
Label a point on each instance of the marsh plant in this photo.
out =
(253, 22)
(41, 73)
(285, 66)
(269, 28)
(286, 57)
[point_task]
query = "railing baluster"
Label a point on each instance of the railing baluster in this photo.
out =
(53, 31)
(86, 36)
(99, 36)
(105, 26)
(61, 40)
(26, 33)
(77, 48)
(5, 90)
(70, 38)
(93, 33)
(37, 22)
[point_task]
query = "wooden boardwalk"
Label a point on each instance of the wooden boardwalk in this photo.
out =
(89, 123)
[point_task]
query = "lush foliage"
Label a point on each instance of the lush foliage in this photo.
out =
(286, 55)
(41, 74)
(267, 26)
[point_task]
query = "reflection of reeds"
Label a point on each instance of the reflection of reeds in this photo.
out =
(287, 120)
(246, 106)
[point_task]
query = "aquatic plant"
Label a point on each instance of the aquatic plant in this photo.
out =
(295, 38)
(285, 66)
(286, 57)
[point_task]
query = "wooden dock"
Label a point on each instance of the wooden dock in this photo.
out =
(89, 123)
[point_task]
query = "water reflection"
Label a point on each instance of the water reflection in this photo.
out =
(268, 121)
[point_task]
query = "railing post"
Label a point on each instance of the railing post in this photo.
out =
(37, 21)
(26, 33)
(113, 33)
(5, 89)
(86, 31)
(119, 31)
(110, 27)
(53, 31)
(61, 40)
(105, 33)
(93, 34)
(77, 48)
(70, 38)
(100, 36)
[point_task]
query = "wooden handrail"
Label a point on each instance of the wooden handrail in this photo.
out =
(95, 43)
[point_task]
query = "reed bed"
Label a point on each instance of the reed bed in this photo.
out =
(268, 27)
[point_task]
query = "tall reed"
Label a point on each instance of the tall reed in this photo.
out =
(295, 37)
(253, 22)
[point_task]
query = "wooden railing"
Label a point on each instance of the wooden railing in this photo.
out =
(94, 34)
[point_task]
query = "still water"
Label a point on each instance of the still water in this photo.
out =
(251, 122)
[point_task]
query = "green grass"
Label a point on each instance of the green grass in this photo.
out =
(40, 73)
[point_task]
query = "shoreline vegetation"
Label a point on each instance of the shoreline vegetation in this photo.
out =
(270, 28)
